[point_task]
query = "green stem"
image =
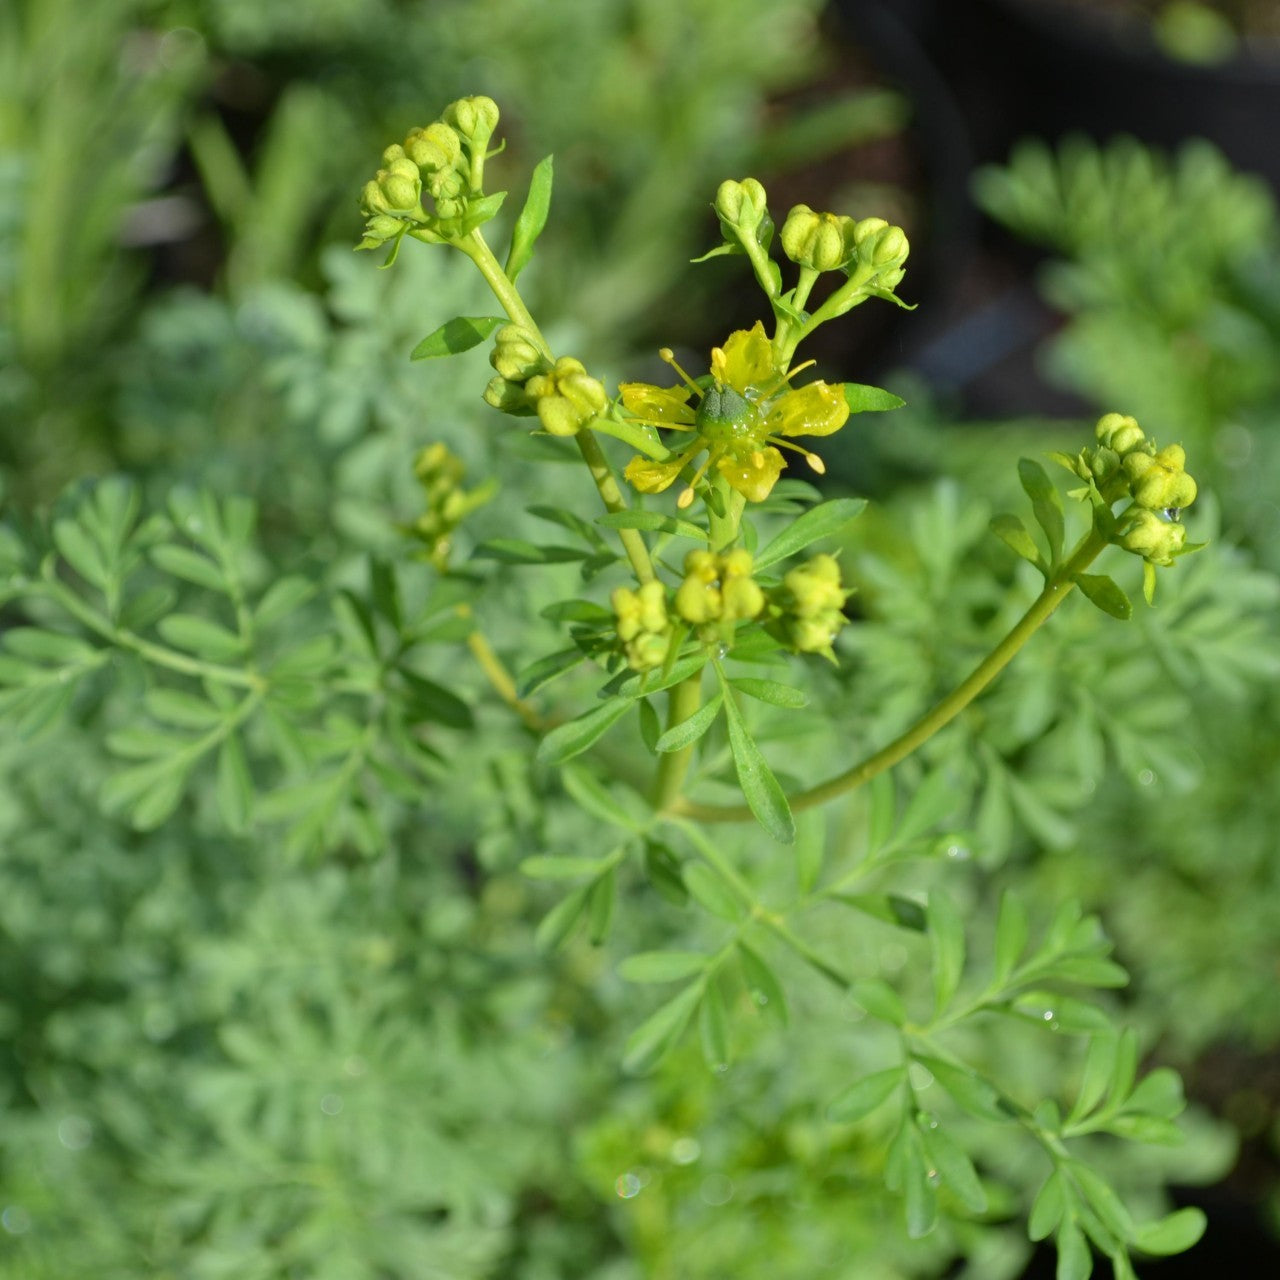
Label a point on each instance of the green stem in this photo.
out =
(940, 715)
(475, 247)
(673, 768)
(157, 654)
(779, 929)
(724, 528)
(842, 300)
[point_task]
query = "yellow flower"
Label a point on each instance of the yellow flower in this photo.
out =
(739, 419)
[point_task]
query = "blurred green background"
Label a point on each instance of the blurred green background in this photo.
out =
(283, 1053)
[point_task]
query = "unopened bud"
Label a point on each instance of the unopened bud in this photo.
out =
(515, 355)
(742, 204)
(1153, 538)
(435, 147)
(400, 185)
(1158, 481)
(1119, 432)
(474, 118)
(820, 241)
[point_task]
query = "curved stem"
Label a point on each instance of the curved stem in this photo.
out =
(476, 248)
(938, 716)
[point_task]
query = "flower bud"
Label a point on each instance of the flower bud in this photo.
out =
(474, 118)
(400, 185)
(1157, 481)
(741, 598)
(445, 185)
(1119, 432)
(567, 397)
(653, 606)
(697, 602)
(742, 204)
(435, 147)
(889, 246)
(642, 624)
(819, 241)
(1153, 538)
(515, 355)
(509, 397)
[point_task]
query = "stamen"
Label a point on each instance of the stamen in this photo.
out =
(816, 463)
(719, 365)
(669, 357)
(686, 498)
(779, 443)
(782, 380)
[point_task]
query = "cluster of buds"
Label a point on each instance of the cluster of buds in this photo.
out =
(718, 591)
(445, 159)
(833, 242)
(440, 473)
(563, 394)
(1125, 463)
(809, 607)
(642, 624)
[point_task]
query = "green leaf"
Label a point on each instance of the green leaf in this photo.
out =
(191, 566)
(713, 1028)
(1013, 533)
(598, 800)
(557, 926)
(544, 670)
(880, 1000)
(455, 336)
(1099, 1066)
(662, 966)
(1158, 1094)
(1011, 934)
(918, 1189)
(481, 210)
(892, 908)
(689, 731)
(650, 1041)
(770, 691)
(429, 702)
(933, 800)
(864, 399)
(653, 522)
(662, 867)
(864, 1096)
(823, 521)
(707, 888)
(946, 945)
(200, 636)
(1106, 594)
(600, 906)
(761, 789)
(518, 551)
(1075, 1261)
(968, 1090)
(763, 983)
(52, 647)
(1062, 1013)
(571, 739)
(158, 804)
(552, 866)
(81, 552)
(1047, 1208)
(147, 607)
(1102, 1199)
(234, 788)
(954, 1167)
(532, 218)
(1175, 1233)
(810, 849)
(283, 597)
(1045, 503)
(650, 725)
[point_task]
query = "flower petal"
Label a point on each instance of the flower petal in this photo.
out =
(754, 473)
(648, 476)
(658, 404)
(748, 358)
(813, 410)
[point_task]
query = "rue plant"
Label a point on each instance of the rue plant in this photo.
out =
(705, 599)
